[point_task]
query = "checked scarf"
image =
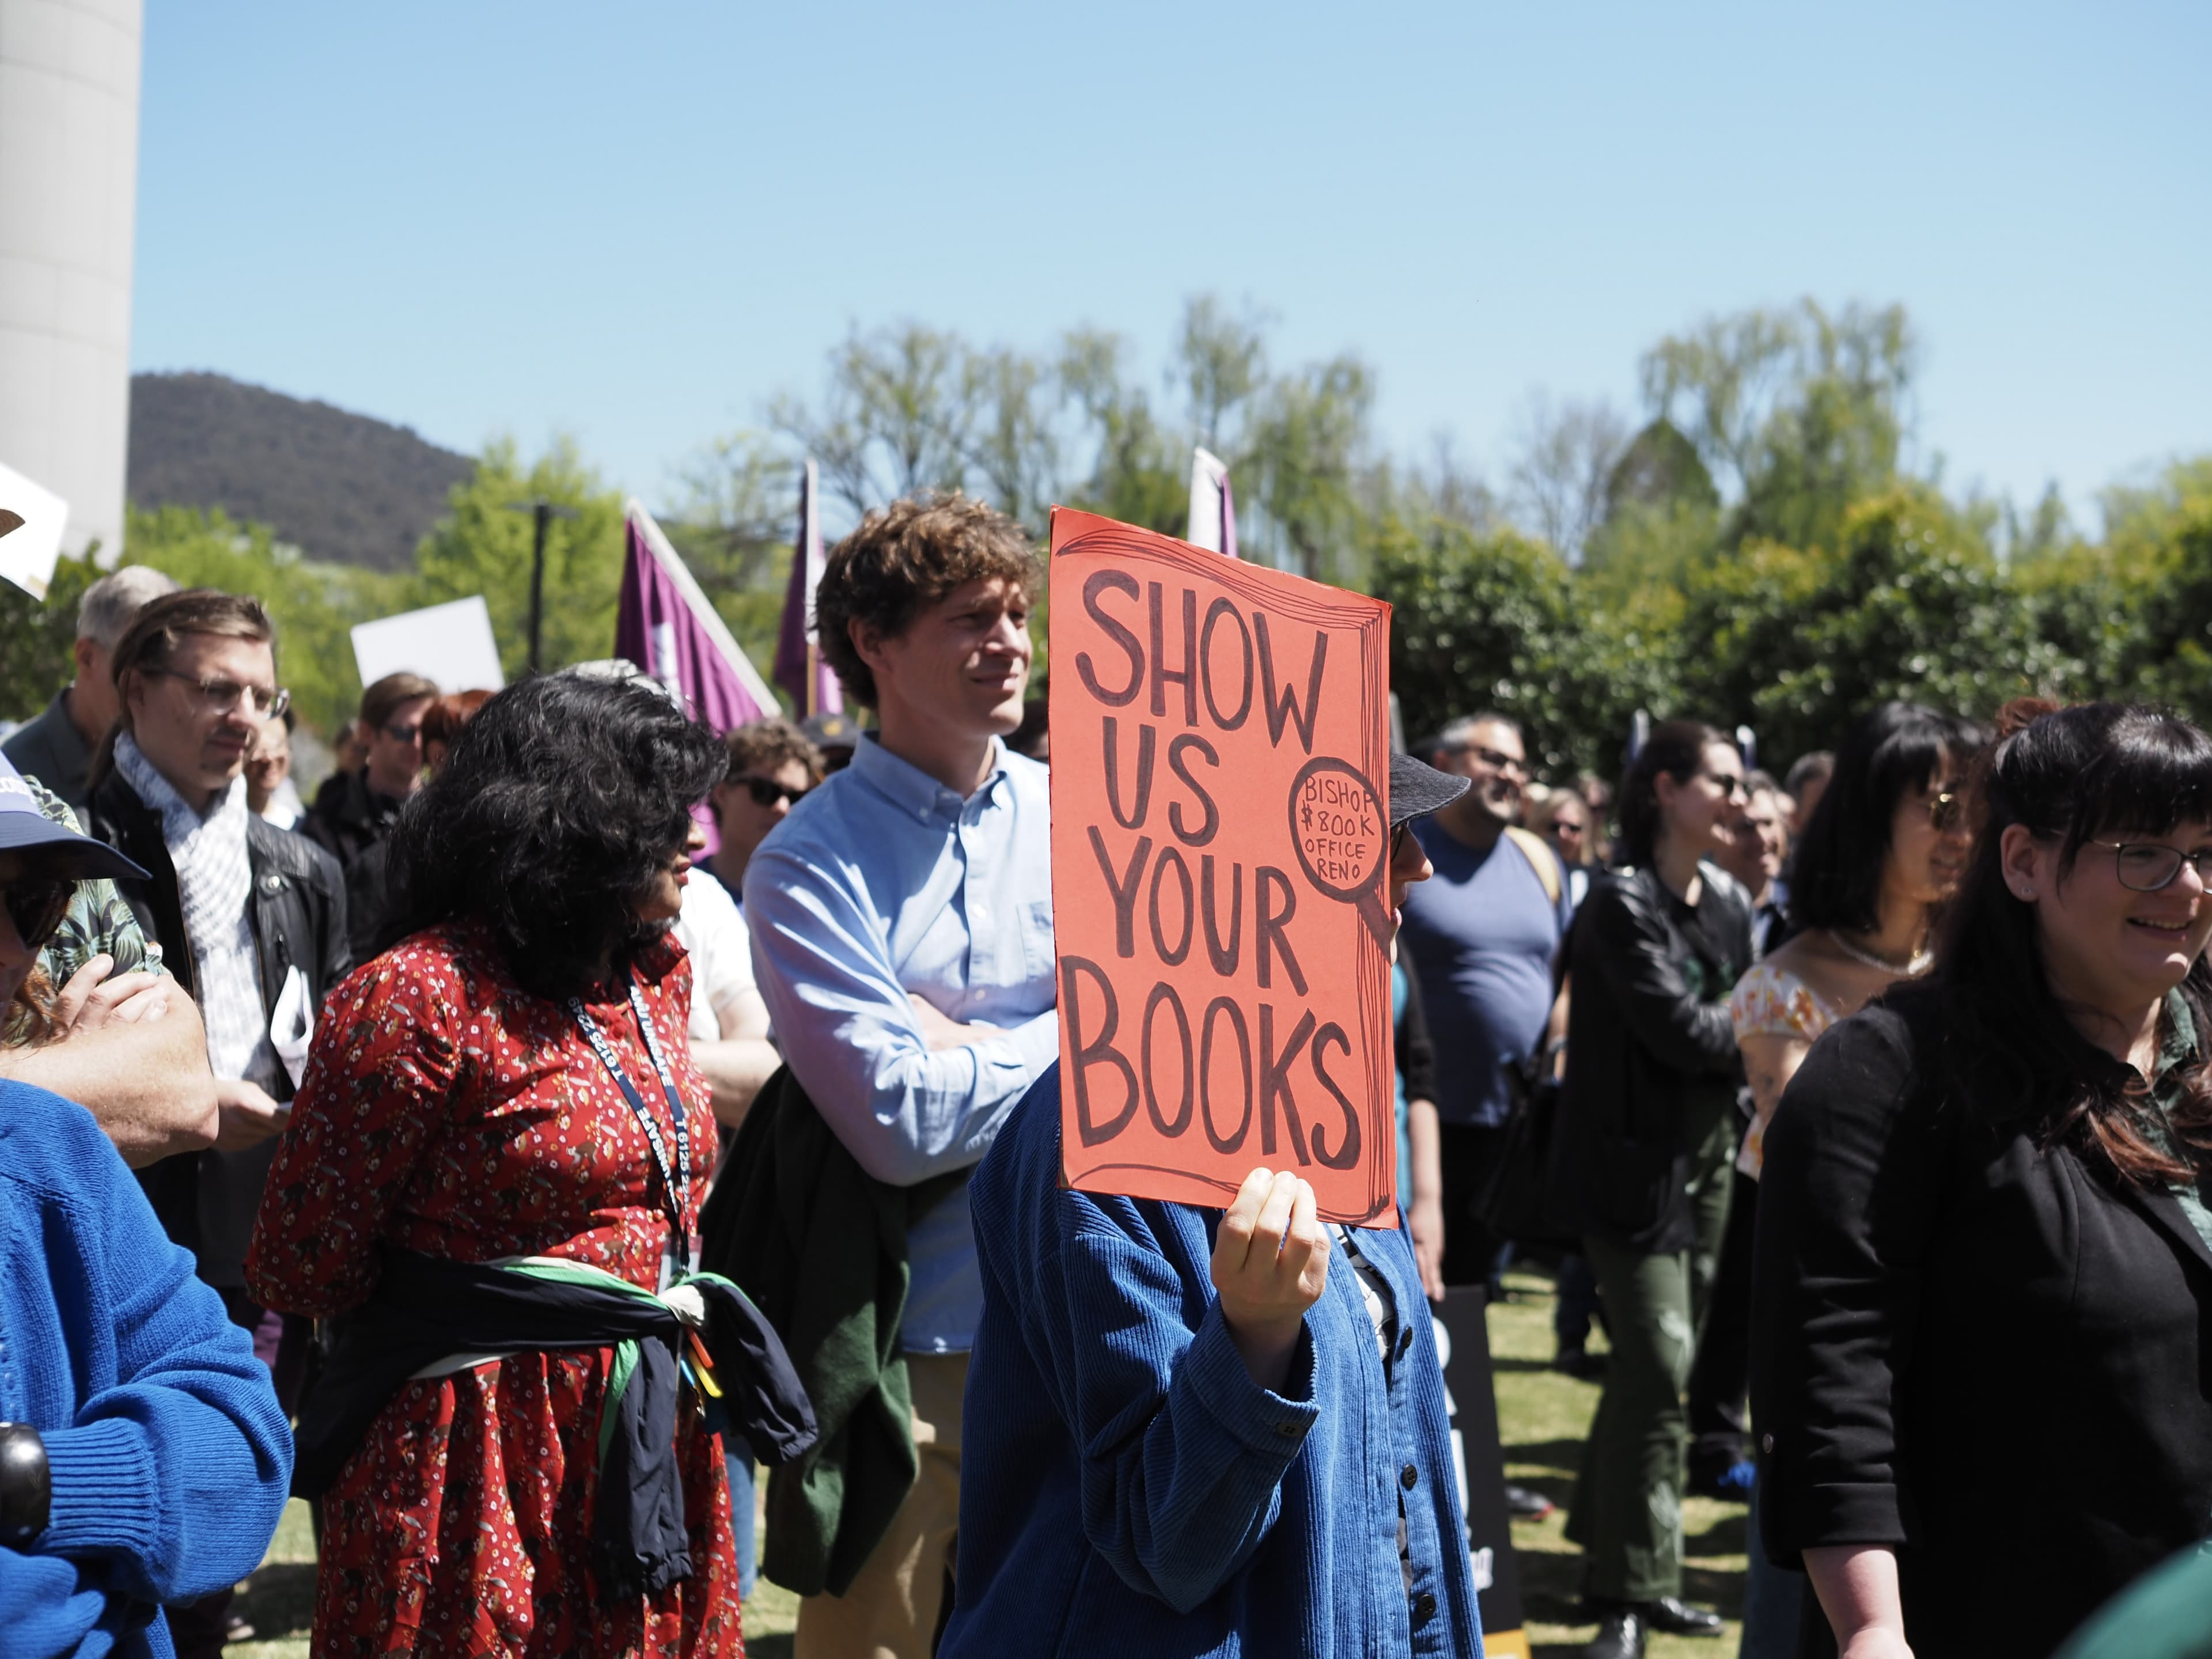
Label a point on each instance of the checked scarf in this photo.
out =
(214, 883)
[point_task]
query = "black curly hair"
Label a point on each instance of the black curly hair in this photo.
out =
(558, 803)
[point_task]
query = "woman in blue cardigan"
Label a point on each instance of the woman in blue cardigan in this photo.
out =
(143, 1459)
(1199, 1433)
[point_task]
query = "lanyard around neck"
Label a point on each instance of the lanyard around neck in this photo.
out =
(676, 1183)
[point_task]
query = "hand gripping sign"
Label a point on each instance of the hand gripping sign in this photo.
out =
(1219, 851)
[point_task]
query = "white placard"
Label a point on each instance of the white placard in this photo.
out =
(450, 644)
(28, 548)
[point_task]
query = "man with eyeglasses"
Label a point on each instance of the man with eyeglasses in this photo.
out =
(252, 922)
(354, 810)
(1483, 933)
(772, 765)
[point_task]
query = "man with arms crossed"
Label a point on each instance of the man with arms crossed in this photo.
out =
(251, 921)
(902, 919)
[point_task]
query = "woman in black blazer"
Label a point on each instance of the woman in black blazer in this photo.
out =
(1984, 1265)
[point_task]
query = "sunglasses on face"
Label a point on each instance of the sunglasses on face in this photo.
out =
(1947, 807)
(403, 733)
(767, 792)
(36, 907)
(1497, 760)
(219, 696)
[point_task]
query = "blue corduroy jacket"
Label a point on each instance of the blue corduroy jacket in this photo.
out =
(1126, 1488)
(169, 1455)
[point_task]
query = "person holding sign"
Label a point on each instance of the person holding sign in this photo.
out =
(902, 918)
(1193, 1430)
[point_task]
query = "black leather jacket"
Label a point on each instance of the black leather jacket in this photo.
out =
(298, 916)
(1647, 1046)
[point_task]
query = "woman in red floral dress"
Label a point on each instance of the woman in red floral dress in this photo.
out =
(453, 1105)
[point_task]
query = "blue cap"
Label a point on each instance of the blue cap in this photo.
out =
(25, 827)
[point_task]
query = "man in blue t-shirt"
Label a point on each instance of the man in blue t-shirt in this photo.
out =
(1484, 932)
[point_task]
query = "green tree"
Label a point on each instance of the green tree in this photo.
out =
(36, 637)
(314, 605)
(483, 546)
(1802, 413)
(1308, 442)
(1796, 642)
(1139, 472)
(1495, 622)
(735, 526)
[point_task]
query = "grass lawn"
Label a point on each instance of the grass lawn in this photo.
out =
(1542, 1415)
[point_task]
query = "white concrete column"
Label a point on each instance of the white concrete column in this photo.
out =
(68, 181)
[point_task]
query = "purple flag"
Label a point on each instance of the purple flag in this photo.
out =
(664, 625)
(799, 669)
(1212, 508)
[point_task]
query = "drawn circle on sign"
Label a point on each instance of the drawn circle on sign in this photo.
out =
(1342, 835)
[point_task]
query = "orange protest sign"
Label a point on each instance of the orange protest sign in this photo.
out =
(1219, 846)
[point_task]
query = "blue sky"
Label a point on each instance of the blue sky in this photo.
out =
(635, 223)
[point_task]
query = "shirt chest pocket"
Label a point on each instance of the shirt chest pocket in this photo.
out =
(1036, 921)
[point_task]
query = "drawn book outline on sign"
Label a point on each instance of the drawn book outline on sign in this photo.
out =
(1220, 843)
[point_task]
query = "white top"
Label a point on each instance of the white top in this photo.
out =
(712, 930)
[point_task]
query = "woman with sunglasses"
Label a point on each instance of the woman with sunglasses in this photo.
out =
(1984, 1274)
(1645, 1132)
(1886, 845)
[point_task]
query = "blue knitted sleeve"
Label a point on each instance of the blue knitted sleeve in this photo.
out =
(47, 1606)
(174, 1470)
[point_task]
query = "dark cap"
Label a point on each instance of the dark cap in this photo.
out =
(1418, 789)
(827, 731)
(24, 827)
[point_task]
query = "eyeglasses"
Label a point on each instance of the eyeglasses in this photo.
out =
(1729, 784)
(1945, 808)
(1566, 827)
(2147, 866)
(404, 733)
(767, 792)
(1495, 758)
(219, 696)
(37, 906)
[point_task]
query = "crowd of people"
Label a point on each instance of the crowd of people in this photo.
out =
(572, 1111)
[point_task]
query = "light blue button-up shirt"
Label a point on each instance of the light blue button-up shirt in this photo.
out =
(883, 881)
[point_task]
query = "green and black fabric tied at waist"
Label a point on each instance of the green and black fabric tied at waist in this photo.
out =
(427, 1311)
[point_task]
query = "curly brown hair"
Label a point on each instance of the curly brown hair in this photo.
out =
(904, 558)
(769, 743)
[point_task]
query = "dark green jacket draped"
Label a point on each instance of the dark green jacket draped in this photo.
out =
(820, 1246)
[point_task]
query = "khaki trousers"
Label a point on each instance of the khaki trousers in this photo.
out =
(892, 1609)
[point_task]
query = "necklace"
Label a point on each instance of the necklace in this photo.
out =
(1922, 960)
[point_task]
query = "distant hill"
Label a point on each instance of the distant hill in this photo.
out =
(347, 488)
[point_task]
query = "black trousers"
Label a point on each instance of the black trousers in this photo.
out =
(1469, 1153)
(1719, 1430)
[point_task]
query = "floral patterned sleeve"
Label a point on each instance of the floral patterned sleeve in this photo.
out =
(97, 923)
(386, 1059)
(1773, 1002)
